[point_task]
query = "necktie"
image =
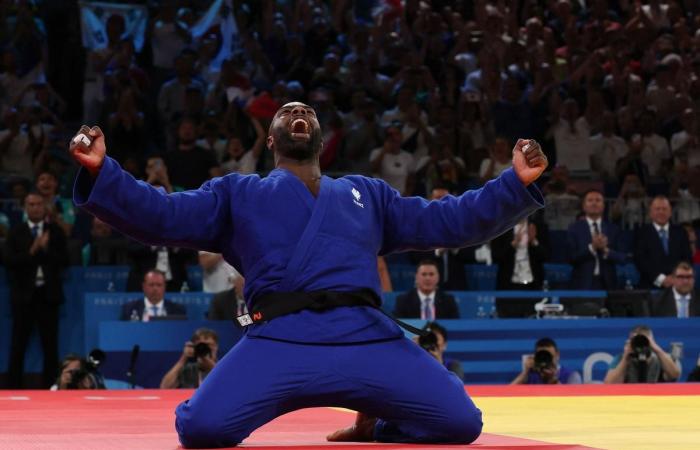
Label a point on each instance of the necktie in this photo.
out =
(428, 309)
(154, 311)
(683, 305)
(35, 231)
(596, 229)
(663, 235)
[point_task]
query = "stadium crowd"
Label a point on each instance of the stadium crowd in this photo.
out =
(429, 95)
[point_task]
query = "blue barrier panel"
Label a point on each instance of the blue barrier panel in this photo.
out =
(491, 350)
(101, 307)
(160, 345)
(481, 276)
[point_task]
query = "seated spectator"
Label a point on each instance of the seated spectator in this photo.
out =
(153, 303)
(543, 367)
(679, 300)
(435, 343)
(642, 361)
(660, 246)
(593, 246)
(693, 242)
(229, 304)
(199, 356)
(172, 261)
(426, 301)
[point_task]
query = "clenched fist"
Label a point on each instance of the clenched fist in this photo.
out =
(88, 149)
(529, 161)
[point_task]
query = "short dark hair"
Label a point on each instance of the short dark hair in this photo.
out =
(436, 328)
(156, 271)
(683, 265)
(204, 333)
(588, 191)
(428, 262)
(546, 342)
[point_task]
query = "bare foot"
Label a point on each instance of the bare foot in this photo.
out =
(361, 431)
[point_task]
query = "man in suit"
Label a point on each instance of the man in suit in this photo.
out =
(425, 301)
(153, 304)
(679, 300)
(36, 254)
(172, 261)
(660, 246)
(593, 246)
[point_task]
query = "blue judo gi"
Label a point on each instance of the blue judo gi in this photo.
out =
(283, 239)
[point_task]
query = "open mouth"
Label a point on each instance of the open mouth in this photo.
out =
(300, 129)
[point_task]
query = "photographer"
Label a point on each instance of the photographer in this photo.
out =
(435, 343)
(642, 361)
(80, 373)
(543, 367)
(198, 359)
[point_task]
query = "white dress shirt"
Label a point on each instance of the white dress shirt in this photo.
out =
(39, 273)
(679, 308)
(428, 299)
(658, 282)
(148, 311)
(591, 227)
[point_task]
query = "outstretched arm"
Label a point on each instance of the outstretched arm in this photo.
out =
(472, 218)
(193, 219)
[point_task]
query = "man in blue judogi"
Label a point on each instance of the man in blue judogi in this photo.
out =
(307, 245)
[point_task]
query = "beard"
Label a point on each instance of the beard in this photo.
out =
(296, 149)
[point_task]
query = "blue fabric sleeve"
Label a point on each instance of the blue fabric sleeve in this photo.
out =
(472, 218)
(195, 219)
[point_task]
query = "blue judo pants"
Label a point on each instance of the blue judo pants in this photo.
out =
(415, 398)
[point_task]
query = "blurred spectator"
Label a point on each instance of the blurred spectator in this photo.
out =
(563, 206)
(687, 141)
(362, 133)
(655, 152)
(630, 205)
(127, 130)
(172, 95)
(543, 367)
(607, 148)
(59, 210)
(642, 361)
(172, 261)
(693, 241)
(169, 38)
(229, 304)
(393, 164)
(572, 138)
(679, 300)
(198, 358)
(594, 247)
(189, 166)
(217, 274)
(211, 136)
(153, 303)
(240, 160)
(520, 254)
(157, 173)
(15, 149)
(106, 246)
(660, 246)
(35, 256)
(499, 159)
(97, 59)
(426, 301)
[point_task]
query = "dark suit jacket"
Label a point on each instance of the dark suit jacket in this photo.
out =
(143, 258)
(456, 278)
(664, 304)
(408, 305)
(649, 255)
(171, 309)
(223, 306)
(503, 254)
(578, 238)
(22, 267)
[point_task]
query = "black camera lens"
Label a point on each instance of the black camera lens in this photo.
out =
(543, 359)
(428, 342)
(641, 348)
(202, 350)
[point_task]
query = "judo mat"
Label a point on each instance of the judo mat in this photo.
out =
(515, 417)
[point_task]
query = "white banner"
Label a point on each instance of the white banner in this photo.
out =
(219, 13)
(93, 23)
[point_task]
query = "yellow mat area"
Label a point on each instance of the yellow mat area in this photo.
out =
(609, 422)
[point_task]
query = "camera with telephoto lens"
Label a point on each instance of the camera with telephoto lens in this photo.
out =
(641, 348)
(428, 342)
(201, 350)
(88, 375)
(543, 360)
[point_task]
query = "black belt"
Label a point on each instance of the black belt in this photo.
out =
(277, 304)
